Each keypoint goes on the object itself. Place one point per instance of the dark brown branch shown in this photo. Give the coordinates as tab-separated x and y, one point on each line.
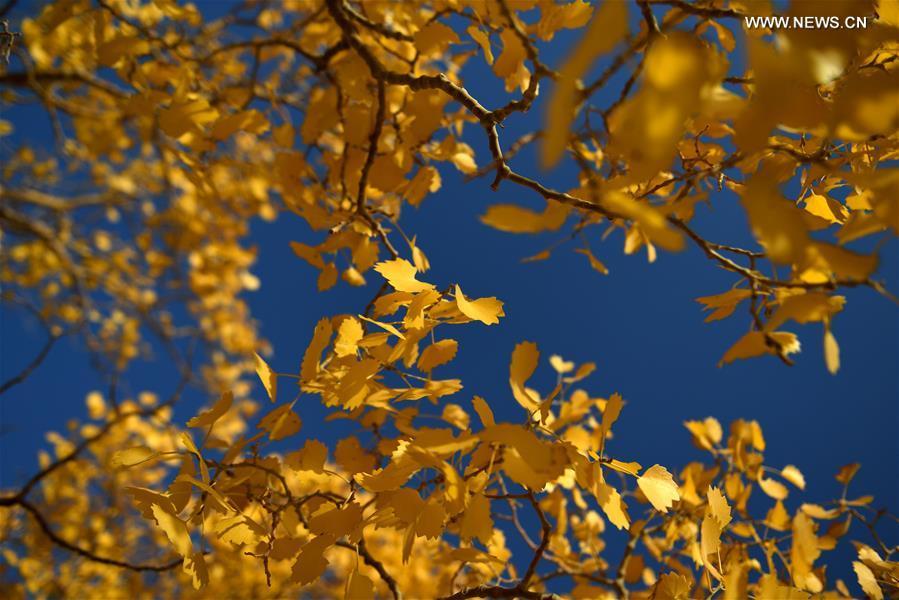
83	444
22	79
31	366
633	537
375	564
373	139
55	203
544	542
652	25
495	591
698	10
66	545
377	27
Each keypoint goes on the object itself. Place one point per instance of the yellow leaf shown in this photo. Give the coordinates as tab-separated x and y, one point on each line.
777	224
311	457
354	387
435	36
725	36
437	354
611	413
804	552
464	162
220	502
754	344
806	308
195	566
718	507
455	490
281	422
431	520
476	520
473	555
570	15
283	135
861	501
145	499
175	529
794	476
483	40
359	587
426	180
516	219
328	277
771	587
385	326
320	339
659	487
485	310
831	352
867	580
778	518
285	547
710	540
189	115
348	335
841	262
389	478
582	371
400	273
723	304
415	314
132	456
191	447
268	377
560	365
239	530
353	277
308	253
527	460
595	263
336	521
207	418
672	586
311	563
524	362
612	505
510	64
350	456
826	208
483	409
847	473
390	303
96	406
251	121
608	27
418	258
455	415
628	468
773	488
816	511
706	433
109	52
650	219
545	254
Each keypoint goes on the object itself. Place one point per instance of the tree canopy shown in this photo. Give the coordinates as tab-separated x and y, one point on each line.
174	131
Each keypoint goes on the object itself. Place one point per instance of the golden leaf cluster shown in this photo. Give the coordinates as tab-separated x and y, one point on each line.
176	133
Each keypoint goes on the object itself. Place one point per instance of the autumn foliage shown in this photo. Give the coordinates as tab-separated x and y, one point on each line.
174	131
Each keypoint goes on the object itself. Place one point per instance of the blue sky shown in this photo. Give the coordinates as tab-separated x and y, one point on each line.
640	325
